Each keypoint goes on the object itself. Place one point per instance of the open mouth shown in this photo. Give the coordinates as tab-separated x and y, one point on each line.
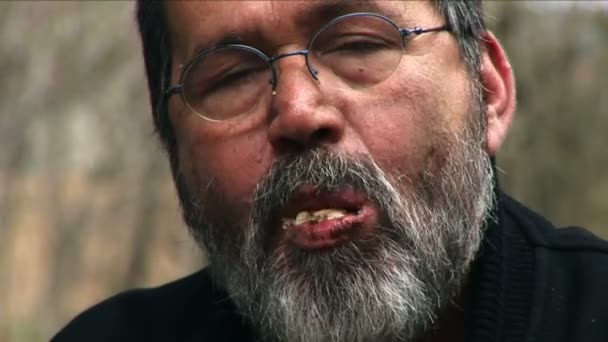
319	220
318	216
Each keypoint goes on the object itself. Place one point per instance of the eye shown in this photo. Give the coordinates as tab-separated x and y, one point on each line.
233	78
222	70
354	45
360	46
239	78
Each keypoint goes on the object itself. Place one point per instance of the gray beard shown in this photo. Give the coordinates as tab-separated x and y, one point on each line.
387	287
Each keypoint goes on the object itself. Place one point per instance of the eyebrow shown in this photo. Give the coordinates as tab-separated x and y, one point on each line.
226	39
314	17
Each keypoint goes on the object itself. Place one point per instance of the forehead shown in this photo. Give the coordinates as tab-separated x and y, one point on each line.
204	23
217	11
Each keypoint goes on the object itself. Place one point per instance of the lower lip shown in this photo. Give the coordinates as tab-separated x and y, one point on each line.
331	233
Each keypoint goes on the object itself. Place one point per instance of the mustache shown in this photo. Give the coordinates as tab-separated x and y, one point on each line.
325	170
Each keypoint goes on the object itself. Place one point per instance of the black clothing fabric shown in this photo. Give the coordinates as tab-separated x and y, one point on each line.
531	282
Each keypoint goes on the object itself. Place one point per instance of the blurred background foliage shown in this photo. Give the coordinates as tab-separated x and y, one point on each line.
87	207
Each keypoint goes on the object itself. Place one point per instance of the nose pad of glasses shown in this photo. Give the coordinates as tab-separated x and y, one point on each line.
313	72
273	80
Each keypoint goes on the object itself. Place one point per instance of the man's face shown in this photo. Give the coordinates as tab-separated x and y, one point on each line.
334	210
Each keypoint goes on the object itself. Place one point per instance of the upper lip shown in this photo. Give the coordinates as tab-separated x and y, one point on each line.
313	199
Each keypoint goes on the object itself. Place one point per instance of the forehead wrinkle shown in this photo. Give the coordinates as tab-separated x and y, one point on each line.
256	35
324	11
196	26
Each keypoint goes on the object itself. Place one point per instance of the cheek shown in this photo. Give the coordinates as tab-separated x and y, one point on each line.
233	164
408	120
402	123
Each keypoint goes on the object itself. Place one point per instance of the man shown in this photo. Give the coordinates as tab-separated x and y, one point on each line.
334	160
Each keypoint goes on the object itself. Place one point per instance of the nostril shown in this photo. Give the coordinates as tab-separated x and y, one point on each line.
321	135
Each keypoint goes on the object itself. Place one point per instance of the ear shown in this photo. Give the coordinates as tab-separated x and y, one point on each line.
498	92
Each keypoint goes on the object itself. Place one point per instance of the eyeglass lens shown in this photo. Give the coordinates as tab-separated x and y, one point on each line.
359	51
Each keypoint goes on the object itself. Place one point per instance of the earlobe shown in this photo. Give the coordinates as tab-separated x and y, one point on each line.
498	92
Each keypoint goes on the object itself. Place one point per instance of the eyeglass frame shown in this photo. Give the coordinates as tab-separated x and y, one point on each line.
404	32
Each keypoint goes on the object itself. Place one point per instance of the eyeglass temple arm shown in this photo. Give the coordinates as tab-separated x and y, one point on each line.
176	89
419	30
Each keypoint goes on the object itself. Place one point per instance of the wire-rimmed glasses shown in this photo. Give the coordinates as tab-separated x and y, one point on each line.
233	80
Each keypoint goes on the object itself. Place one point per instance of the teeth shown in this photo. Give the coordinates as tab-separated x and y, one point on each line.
319	215
303	216
328	214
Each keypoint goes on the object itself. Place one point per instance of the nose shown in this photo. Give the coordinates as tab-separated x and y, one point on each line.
302	115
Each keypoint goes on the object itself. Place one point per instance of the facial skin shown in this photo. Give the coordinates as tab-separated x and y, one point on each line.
420	140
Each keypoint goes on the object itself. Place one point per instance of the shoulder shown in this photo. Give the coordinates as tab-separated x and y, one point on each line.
544	235
570	277
173	312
